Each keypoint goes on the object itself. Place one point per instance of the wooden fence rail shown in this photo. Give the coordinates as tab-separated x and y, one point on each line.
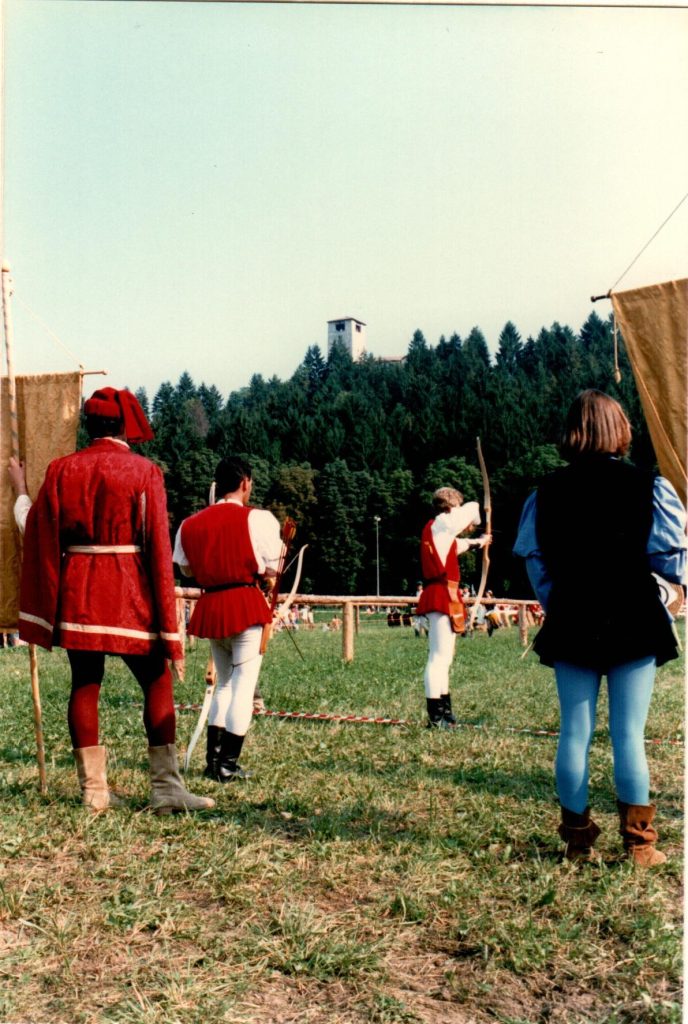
351	606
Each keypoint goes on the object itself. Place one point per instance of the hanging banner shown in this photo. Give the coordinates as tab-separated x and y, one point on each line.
48	413
654	325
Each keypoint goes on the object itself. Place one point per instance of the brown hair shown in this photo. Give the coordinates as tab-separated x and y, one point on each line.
446	498
595	425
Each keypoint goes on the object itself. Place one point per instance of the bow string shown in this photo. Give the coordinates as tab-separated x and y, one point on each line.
487	505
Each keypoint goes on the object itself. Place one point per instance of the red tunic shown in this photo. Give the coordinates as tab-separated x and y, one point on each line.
218	548
121	602
436	575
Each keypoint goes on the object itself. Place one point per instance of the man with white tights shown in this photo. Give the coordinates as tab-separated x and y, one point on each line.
441	601
228	547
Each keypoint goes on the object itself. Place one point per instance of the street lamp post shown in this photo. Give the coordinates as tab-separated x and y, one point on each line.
376	520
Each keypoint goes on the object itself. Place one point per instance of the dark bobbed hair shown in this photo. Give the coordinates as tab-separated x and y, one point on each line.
103	426
595	425
229	474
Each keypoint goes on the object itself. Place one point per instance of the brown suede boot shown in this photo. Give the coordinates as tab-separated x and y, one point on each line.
168	794
90	767
579	832
639	834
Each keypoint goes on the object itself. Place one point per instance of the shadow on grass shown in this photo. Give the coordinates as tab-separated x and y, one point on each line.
533	784
17	755
538	785
359	821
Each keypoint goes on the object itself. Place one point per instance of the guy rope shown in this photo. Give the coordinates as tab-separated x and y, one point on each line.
14	431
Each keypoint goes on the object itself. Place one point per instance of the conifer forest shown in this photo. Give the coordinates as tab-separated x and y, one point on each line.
343	442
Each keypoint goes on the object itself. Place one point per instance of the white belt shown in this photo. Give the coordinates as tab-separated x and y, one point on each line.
103	549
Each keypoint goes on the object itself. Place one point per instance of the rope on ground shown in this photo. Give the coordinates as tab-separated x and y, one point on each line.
325	716
317	716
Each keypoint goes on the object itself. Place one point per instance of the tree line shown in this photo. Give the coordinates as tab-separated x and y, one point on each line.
341	443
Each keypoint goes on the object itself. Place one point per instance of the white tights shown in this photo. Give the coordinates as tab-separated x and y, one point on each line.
442	641
237	662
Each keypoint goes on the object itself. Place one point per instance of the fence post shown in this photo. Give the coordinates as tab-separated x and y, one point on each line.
523	625
348	631
358	618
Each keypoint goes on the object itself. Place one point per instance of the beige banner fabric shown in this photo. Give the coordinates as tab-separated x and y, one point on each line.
48	414
654	325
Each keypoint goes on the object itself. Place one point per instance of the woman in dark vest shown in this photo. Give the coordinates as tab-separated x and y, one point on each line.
600	527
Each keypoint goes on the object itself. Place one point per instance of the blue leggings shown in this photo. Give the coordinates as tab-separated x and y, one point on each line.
630	689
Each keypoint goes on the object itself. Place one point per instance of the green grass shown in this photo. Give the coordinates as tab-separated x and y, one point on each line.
366	874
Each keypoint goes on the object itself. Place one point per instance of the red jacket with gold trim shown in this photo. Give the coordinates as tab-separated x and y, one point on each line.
218	548
435	596
97	568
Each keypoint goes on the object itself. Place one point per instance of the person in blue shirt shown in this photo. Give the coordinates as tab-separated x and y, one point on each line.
601	526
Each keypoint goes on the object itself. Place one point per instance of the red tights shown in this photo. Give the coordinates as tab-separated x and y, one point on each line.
153	676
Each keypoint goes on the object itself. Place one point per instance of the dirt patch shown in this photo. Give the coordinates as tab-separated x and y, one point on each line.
12	938
438	989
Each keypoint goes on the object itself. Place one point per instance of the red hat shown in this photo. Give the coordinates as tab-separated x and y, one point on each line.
120	405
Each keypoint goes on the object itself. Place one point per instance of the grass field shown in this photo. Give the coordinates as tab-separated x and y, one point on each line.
365	874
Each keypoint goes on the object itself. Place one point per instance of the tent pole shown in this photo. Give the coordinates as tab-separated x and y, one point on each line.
14	430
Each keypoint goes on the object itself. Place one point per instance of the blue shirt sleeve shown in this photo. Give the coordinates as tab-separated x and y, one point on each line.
526	546
667	542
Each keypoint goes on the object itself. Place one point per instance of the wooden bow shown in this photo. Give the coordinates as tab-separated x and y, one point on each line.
487	505
289	599
281	612
210	681
288	534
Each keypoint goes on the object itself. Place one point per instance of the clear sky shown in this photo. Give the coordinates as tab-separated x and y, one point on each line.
203	186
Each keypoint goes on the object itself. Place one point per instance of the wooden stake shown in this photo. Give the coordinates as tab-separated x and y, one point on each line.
14	431
38	718
348	632
523	625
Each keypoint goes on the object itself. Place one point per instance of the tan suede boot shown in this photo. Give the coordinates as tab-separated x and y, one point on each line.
639	834
168	794
579	832
90	767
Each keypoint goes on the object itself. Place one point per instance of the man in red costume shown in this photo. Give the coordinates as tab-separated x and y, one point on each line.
228	547
97	579
441	600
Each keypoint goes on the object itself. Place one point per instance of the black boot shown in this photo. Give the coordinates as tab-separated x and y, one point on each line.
579	832
435	713
212	756
447	709
230	749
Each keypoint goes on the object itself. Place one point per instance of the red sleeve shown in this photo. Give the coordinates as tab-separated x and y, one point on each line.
160	563
40	580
